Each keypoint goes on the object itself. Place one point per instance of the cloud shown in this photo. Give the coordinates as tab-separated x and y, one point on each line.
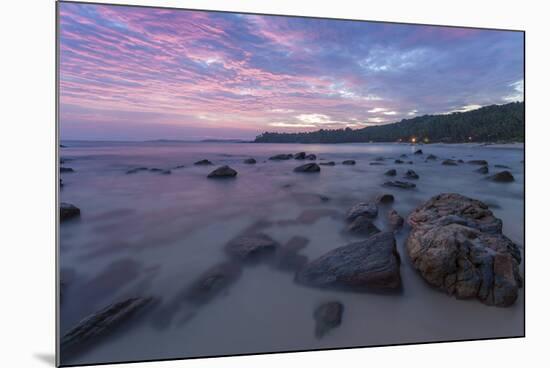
517	94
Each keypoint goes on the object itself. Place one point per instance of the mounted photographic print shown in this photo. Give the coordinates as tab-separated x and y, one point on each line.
236	183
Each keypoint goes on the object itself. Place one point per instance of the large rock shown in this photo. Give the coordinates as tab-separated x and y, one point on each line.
223	172
367	265
327	317
395	220
68	211
308	168
385	198
457	245
300	156
367	209
363	225
251	247
503	177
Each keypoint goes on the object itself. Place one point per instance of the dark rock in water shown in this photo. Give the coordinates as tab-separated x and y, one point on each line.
503	177
212	282
502	166
251	247
367	209
400	184
348	162
166	172
161	171
362	225
136	170
311	157
102	322
376	163
398	161
418	152
155	169
395	220
369	264
385	198
287	257
179	167
460	161
62	146
403	155
328	163
410	162
478	162
324	198
282	156
300	156
308	168
327	317
457	245
249	161
203	162
411	174
65	169
431	157
68	211
379	159
449	162
482	170
391	172
223	172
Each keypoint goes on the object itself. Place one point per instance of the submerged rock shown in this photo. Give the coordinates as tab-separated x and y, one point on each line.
431	157
398	161
385	198
327	317
482	170
418	152
363	225
391	172
449	162
102	322
66	169
367	209
308	168
223	172
348	162
478	162
457	245
287	257
136	170
395	220
203	163
369	264
328	163
282	156
251	247
311	157
411	174
503	177
376	163
300	156
379	159
249	161
212	282
400	184
502	166
67	211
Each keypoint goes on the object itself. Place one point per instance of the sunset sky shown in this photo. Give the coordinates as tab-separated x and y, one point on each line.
129	73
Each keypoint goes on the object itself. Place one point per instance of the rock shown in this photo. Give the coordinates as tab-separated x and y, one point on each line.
251	247
155	169
368	209
410	162
223	172
478	162
308	168
212	282
102	322
379	159
362	225
348	162
287	257
431	157
398	161
179	167
460	161
411	174
502	166
65	169
300	156
166	172
376	163
311	157
282	156
503	177
328	163
457	245
68	211
395	220
136	170
385	198
203	163
327	317
482	170
449	162
418	152
403	155
161	171
391	172
367	265
400	184
249	161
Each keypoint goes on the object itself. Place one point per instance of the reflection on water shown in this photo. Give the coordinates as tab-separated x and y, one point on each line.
148	234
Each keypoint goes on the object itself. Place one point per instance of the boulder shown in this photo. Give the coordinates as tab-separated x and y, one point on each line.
482	170
308	168
391	172
457	245
371	264
411	174
203	163
503	177
431	157
300	156
395	220
400	184
328	163
311	157
449	162
348	162
223	172
385	198
363	225
250	161
418	152
327	317
478	162
367	209
68	211
282	156
251	246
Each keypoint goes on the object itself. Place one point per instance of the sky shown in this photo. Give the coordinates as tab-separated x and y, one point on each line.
130	73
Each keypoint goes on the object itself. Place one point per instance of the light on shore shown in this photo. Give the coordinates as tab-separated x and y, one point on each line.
413	140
